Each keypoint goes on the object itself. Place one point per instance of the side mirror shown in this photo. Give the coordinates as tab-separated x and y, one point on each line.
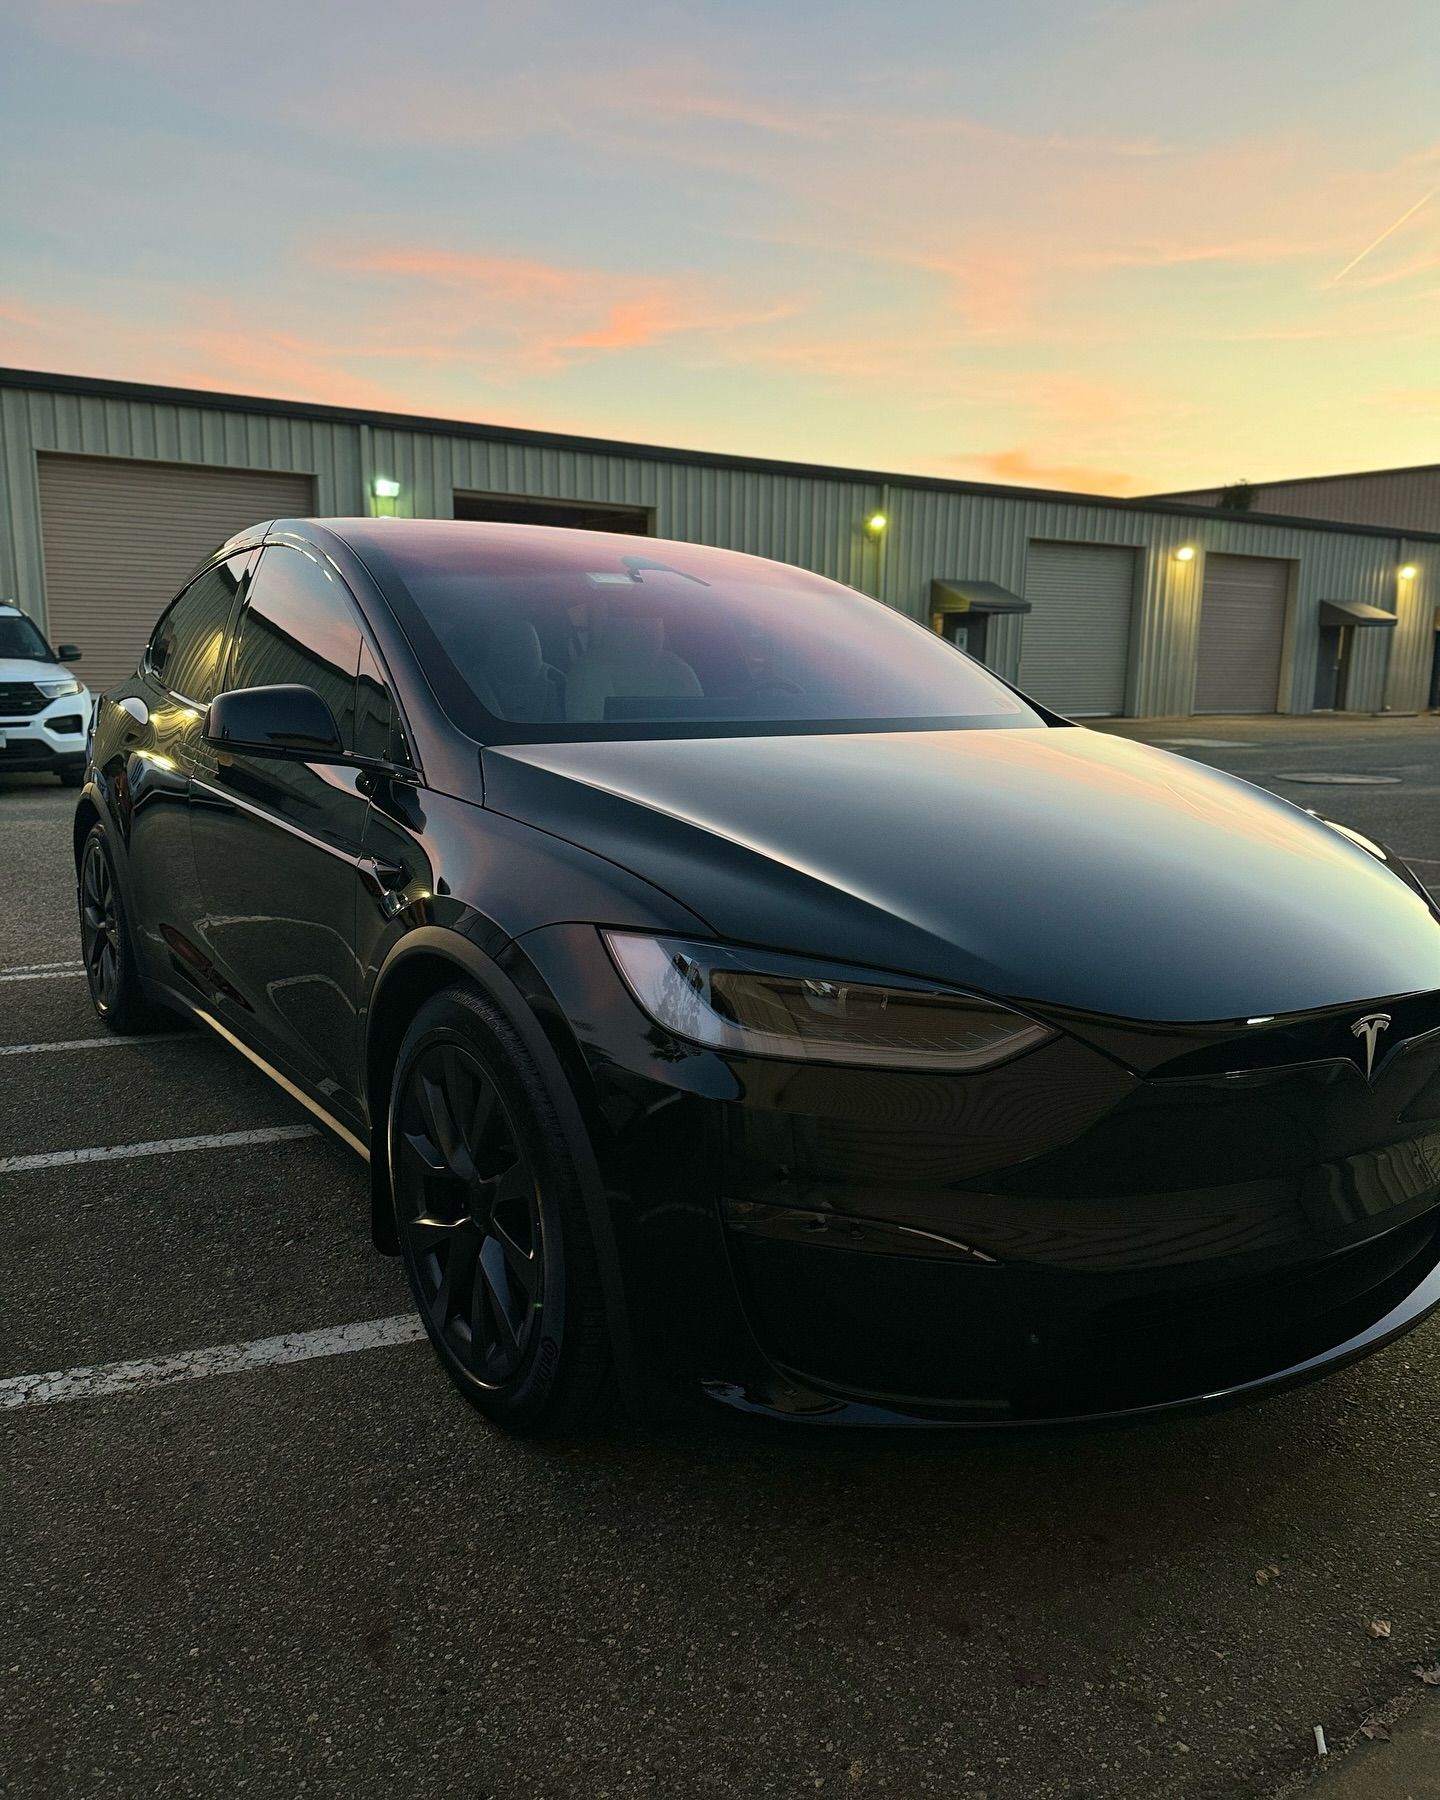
68	653
274	721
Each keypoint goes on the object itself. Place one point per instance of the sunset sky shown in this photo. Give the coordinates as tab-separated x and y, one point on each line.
1059	242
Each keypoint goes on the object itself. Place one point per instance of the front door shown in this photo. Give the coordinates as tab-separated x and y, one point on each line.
278	841
1327	669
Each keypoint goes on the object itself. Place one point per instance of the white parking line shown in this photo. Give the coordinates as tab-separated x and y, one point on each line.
217	1140
100	1379
43	972
100	1043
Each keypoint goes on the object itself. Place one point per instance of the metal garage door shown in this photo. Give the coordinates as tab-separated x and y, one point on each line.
1076	646
1242	634
120	536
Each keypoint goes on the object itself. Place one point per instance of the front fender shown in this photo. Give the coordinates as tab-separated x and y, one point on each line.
421	963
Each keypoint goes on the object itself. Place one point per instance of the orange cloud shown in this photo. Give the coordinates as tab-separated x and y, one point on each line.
1021	468
548	314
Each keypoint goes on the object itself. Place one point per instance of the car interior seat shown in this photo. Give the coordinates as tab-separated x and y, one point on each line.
525	686
627	657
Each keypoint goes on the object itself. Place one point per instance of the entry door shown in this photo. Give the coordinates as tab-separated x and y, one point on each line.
1075	651
1242	634
278	841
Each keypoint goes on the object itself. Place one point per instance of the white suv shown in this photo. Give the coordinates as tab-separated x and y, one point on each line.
44	710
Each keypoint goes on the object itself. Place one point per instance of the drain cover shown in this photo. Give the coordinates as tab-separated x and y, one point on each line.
1343	780
1209	743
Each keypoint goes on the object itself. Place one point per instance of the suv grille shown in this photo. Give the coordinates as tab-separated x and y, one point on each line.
20	699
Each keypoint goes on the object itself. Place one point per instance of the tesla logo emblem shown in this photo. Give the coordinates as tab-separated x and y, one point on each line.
1370	1028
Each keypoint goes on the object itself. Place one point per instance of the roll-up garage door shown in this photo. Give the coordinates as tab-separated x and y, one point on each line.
120	536
1076	646
1242	634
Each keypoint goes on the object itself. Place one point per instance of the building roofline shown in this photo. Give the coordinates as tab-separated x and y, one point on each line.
102	387
1219	487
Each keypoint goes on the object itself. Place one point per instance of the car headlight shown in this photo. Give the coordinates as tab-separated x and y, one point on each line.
57	690
759	1003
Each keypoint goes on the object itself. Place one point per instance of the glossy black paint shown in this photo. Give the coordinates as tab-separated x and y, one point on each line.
1166	1203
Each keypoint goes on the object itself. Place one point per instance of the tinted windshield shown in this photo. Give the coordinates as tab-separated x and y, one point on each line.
20	639
587	636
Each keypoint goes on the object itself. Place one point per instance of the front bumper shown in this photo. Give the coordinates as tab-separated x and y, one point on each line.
1060	1238
52	738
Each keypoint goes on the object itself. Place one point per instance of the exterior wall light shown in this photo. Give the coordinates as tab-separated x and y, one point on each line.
1186	553
383	488
1408	572
877	524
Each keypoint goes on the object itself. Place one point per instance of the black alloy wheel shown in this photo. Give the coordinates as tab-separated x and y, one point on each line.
99	926
472	1221
491	1219
111	973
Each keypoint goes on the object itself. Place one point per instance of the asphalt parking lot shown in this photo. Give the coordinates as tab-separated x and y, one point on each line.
328	1577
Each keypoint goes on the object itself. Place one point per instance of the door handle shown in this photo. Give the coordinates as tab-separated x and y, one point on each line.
386	882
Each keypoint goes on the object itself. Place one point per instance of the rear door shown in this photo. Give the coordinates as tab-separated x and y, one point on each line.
147	739
278	842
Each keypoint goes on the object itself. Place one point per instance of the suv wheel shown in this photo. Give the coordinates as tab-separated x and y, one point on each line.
111	968
491	1220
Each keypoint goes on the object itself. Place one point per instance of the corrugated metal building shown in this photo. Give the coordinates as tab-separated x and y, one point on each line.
110	491
1400	499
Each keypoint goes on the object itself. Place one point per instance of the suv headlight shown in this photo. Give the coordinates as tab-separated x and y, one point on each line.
57	690
760	1003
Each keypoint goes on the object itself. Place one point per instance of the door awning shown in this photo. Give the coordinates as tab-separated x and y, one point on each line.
1353	612
974	596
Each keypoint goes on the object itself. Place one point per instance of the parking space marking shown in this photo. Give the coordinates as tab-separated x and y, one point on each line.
216	1140
101	1379
100	1043
44	972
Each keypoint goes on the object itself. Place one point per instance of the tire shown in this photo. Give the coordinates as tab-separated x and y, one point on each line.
107	947
72	775
491	1221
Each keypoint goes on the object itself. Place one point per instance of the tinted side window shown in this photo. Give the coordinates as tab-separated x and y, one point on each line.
379	732
299	625
185	647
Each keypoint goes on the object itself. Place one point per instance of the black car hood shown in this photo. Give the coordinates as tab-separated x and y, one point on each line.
1062	866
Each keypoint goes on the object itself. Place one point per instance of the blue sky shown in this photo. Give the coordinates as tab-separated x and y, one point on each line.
1080	244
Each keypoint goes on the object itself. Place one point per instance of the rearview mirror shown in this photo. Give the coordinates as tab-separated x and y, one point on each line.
68	653
274	721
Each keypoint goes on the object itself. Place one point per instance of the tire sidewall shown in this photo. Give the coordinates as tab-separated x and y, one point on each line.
448	1018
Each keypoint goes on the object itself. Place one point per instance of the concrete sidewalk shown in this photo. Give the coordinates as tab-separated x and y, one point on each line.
1407	1768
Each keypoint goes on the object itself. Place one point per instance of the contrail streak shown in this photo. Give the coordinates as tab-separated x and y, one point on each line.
1409	213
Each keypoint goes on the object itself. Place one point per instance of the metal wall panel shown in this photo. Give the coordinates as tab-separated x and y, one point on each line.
1075	652
1242	635
1405	499
805	517
120	536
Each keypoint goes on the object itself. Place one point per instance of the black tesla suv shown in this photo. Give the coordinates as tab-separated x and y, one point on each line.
738	990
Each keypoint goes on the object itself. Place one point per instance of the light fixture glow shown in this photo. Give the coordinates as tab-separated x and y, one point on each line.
876	523
1408	572
1186	553
384	488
